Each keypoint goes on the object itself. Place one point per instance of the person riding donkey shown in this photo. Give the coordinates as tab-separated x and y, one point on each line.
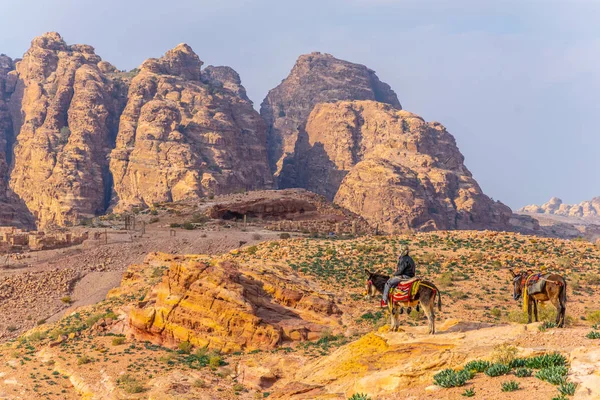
405	270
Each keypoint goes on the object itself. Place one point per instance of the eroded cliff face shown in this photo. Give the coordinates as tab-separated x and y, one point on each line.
316	78
13	211
187	133
64	113
392	168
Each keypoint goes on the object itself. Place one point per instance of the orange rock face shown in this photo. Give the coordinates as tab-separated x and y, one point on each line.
187	134
316	78
392	168
223	306
64	112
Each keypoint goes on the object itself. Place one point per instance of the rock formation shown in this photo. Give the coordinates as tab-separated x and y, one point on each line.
187	134
64	114
316	78
555	206
392	168
221	306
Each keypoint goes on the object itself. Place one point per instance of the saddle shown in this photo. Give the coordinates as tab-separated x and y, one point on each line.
535	284
405	291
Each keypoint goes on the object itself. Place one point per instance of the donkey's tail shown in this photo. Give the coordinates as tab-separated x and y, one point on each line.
439	300
563	293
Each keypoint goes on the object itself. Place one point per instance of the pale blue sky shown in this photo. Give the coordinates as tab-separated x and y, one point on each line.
516	82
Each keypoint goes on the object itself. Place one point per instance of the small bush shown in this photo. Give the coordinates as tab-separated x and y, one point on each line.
359	396
284	235
593	317
546	325
477	365
450	378
185	347
593	335
66	300
446	279
523	372
83	360
118	340
130	384
199	383
238	387
188	226
468	393
555	375
497	370
11	328
546	360
510	386
174	225
504	353
252	250
567	388
215	361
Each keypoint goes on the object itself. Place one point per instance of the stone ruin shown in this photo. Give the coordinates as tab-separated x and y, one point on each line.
16	239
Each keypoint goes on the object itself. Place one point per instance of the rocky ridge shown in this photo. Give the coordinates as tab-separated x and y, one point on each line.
392	168
555	206
315	78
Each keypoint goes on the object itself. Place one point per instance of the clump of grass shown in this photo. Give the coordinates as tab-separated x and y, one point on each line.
567	388
450	378
593	316
359	396
215	361
593	335
497	370
504	354
555	375
130	384
118	340
185	347
284	235
477	365
84	359
468	393
66	299
546	360
523	372
546	325
510	386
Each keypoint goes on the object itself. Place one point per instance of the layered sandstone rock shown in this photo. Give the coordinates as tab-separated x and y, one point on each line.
315	78
187	133
222	306
392	168
555	206
64	114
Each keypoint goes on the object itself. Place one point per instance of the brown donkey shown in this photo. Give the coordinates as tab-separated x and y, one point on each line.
554	289
425	296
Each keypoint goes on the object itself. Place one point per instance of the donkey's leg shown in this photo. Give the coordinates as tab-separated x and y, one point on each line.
529	307
535	310
559	312
428	309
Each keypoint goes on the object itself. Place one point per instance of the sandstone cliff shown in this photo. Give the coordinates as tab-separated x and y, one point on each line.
392	168
315	78
64	113
187	133
555	206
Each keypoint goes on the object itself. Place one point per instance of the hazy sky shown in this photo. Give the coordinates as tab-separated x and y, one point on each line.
516	82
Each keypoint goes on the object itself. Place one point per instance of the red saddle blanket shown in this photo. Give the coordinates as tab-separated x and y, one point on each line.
405	291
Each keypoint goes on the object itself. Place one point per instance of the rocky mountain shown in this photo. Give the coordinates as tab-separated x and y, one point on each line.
79	137
315	78
187	133
393	168
555	206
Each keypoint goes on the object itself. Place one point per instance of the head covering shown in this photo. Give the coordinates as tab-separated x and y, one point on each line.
403	250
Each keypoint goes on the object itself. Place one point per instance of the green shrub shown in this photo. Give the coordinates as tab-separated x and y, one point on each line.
504	354
546	360
185	347
215	361
284	235
593	317
468	393
83	360
497	370
130	384
118	340
523	372
546	325
66	299
510	386
450	378
359	396
567	388
477	365
188	226
593	335
555	375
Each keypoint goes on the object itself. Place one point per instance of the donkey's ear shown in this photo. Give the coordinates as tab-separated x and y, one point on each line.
512	272
368	272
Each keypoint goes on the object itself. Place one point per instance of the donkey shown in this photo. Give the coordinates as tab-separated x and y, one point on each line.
555	290
425	296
